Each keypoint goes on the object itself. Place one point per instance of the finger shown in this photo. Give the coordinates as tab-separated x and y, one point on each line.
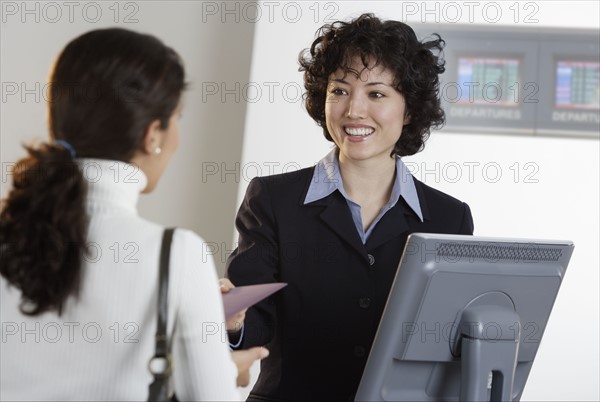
238	317
225	285
258	353
245	358
234	326
243	379
263	353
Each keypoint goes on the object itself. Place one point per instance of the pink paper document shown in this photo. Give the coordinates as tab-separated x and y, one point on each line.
243	297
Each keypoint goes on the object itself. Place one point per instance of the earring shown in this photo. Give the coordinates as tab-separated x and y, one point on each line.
157	150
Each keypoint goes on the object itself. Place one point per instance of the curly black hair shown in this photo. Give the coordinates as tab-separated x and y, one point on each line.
391	44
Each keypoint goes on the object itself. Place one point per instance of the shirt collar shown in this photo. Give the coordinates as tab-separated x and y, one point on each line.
326	179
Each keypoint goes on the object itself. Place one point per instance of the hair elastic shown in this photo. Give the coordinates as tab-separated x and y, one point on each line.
68	147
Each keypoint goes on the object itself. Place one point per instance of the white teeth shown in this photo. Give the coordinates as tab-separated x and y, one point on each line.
358	131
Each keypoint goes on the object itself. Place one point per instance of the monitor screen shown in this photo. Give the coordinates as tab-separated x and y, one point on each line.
577	84
488	81
464	318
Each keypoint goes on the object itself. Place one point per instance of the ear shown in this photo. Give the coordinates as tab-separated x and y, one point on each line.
406	119
152	137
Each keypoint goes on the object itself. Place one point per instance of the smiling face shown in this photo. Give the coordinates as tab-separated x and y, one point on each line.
364	114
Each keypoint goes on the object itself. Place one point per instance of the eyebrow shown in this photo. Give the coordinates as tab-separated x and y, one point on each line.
342	81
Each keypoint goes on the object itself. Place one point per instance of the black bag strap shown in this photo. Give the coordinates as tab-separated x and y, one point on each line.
160	365
163	293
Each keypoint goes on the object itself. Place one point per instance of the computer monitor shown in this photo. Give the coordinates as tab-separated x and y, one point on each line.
464	318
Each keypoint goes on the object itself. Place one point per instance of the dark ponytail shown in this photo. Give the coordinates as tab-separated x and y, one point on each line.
107	87
43	226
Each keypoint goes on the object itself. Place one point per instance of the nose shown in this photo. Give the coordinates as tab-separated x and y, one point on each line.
357	107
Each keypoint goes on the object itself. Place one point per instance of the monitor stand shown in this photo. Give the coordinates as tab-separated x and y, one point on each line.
489	344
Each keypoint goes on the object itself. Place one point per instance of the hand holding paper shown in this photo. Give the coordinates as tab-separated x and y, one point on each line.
236	321
240	298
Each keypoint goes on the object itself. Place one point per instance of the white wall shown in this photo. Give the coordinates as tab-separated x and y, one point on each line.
554	196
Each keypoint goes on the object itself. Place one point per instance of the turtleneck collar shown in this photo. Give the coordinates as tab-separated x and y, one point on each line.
112	184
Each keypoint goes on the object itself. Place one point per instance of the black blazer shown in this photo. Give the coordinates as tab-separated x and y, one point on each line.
319	329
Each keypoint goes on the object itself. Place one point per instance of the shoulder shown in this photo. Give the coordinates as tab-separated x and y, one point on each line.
288	179
186	237
436	198
446	213
189	245
281	186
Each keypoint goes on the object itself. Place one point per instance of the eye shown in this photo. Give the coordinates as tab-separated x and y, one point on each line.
376	94
338	91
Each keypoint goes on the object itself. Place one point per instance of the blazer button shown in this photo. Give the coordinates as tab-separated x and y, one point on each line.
359	351
364	302
371	259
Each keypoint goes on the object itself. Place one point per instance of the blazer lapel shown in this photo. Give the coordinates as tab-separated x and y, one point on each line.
338	218
392	225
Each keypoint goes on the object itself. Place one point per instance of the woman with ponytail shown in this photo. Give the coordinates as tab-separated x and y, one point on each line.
79	267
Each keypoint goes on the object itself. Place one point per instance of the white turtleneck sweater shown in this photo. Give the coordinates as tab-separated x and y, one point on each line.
99	348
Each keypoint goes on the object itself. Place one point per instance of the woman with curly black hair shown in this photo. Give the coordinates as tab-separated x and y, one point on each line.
79	267
335	232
